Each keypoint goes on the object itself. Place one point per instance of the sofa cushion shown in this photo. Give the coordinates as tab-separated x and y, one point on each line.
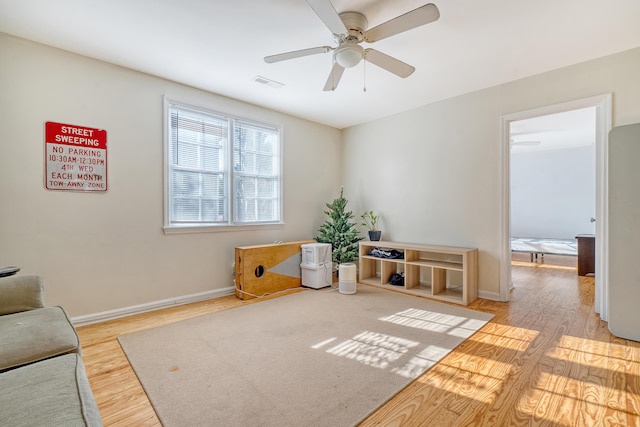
20	293
53	392
34	335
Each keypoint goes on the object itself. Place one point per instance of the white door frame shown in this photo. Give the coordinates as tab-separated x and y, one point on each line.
603	126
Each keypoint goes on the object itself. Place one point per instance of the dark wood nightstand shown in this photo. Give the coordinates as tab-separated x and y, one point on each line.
586	254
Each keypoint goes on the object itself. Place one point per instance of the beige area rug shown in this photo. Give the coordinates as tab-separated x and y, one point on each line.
313	358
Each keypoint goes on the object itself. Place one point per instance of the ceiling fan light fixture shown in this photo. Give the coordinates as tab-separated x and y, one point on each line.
349	55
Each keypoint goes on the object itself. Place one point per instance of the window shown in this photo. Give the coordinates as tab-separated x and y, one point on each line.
221	170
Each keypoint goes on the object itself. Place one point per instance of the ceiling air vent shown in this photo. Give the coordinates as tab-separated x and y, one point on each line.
268	82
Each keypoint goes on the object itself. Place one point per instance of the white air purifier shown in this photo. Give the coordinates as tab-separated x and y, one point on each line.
347	279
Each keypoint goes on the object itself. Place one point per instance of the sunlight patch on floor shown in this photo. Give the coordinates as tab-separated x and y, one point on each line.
373	349
476	367
428	357
548	266
564	408
323	343
435	322
593	354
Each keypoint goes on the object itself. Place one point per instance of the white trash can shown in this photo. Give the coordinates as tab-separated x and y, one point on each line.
347	279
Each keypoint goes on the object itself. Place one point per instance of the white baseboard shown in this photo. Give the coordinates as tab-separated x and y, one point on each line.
493	296
156	305
186	299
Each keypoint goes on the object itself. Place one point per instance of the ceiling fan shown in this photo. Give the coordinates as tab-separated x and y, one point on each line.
350	29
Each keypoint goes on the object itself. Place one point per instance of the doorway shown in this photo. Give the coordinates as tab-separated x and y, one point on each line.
553	185
514	130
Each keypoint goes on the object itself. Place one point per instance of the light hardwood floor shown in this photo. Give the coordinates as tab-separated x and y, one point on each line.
545	359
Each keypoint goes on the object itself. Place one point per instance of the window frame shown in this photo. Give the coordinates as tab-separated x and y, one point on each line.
229	225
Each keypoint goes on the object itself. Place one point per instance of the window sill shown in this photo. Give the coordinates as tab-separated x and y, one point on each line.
189	229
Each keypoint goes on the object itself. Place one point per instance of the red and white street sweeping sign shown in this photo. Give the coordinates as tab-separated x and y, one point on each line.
76	158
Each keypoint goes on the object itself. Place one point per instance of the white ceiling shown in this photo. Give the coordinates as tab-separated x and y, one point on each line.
219	46
569	129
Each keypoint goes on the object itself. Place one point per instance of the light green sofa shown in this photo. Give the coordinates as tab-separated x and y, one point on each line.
42	378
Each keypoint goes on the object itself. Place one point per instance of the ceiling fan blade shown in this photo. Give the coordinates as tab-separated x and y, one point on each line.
296	54
327	14
388	63
416	18
334	77
524	142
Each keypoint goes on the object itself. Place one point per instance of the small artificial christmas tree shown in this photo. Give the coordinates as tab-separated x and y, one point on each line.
340	231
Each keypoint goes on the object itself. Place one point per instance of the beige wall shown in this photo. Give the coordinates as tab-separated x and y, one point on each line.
106	251
434	173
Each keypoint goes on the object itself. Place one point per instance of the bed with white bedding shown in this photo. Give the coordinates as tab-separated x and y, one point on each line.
538	247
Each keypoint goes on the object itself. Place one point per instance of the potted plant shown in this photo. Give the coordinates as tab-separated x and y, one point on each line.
370	220
340	231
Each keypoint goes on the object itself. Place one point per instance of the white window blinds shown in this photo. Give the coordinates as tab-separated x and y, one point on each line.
221	170
256	173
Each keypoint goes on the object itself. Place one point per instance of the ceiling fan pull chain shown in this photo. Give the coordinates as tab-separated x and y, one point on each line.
364	77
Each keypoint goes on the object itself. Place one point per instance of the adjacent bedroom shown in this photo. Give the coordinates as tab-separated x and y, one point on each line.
553	188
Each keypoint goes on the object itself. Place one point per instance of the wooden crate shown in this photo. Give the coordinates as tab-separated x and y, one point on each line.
264	269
